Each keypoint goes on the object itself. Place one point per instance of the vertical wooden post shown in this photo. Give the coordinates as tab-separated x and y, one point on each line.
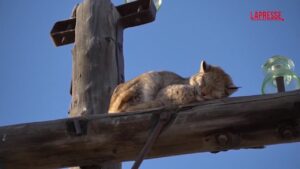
97	61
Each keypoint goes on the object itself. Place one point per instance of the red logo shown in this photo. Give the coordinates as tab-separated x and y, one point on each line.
266	16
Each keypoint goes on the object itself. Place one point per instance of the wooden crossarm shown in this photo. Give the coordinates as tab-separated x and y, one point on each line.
226	124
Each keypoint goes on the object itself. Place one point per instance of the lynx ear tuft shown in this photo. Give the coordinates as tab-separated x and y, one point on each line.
233	87
204	67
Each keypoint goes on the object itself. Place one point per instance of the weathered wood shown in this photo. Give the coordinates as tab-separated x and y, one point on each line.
97	64
232	123
95	67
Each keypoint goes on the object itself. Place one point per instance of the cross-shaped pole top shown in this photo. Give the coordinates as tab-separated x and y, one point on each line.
132	14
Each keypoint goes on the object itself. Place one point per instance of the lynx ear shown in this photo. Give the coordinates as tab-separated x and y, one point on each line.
204	67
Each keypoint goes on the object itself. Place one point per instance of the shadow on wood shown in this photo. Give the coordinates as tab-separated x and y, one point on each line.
226	124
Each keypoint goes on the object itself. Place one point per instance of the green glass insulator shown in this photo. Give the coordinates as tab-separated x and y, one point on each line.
279	66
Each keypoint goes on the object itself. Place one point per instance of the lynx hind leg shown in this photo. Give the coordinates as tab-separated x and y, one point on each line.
122	96
116	93
118	103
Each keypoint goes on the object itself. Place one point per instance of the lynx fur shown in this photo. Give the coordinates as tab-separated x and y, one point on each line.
156	89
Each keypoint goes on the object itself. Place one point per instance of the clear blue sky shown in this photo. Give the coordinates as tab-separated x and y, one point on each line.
35	75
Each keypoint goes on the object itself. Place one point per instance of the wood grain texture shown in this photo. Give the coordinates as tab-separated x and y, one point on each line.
97	64
95	68
226	124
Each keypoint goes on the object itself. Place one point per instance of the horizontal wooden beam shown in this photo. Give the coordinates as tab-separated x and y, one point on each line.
231	123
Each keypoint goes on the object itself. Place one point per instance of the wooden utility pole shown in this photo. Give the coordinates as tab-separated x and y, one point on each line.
96	62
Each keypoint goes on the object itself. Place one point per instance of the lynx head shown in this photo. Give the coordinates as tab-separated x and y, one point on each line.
211	82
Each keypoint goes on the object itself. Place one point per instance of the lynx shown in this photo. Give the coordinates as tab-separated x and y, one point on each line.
157	89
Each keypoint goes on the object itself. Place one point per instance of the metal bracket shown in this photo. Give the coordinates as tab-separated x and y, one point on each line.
164	118
63	32
137	13
132	14
280	84
77	127
288	130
